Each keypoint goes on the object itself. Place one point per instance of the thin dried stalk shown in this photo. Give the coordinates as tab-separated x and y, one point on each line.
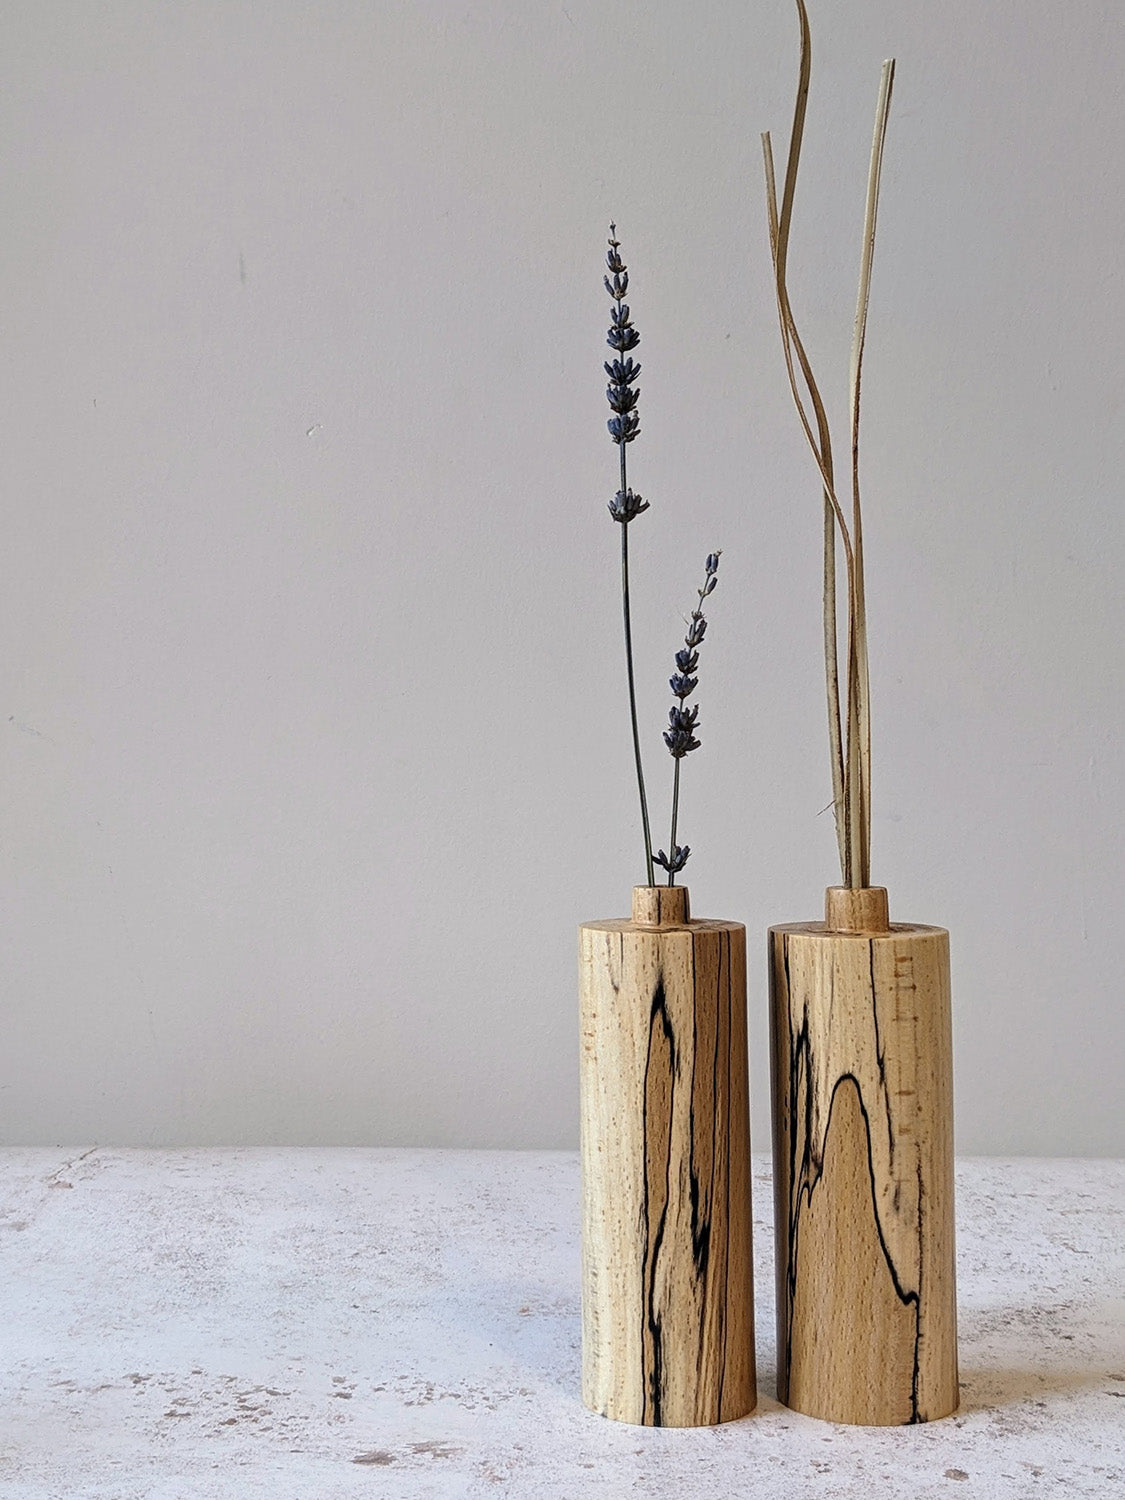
851	758
831	647
832	688
859	716
821	446
790	342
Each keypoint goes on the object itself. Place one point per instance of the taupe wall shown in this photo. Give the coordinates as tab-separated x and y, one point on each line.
314	738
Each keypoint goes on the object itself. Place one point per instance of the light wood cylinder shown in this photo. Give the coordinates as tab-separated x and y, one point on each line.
862	1072
667	1269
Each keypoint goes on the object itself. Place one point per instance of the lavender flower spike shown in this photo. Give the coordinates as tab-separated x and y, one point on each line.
623	393
683	721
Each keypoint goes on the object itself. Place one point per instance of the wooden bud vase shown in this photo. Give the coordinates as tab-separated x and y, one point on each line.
667	1288
863	1165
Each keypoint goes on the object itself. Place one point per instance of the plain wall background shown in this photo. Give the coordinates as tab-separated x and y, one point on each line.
315	746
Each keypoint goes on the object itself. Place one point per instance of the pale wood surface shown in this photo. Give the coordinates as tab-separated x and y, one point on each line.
667	1292
856	910
863	1149
661	905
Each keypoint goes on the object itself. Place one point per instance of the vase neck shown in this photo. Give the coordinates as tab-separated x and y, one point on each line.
862	910
661	905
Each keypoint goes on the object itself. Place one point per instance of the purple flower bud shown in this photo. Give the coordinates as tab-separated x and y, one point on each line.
626	505
679	858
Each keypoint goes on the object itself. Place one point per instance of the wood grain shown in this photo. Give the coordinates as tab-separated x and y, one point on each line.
667	1290
863	1172
862	909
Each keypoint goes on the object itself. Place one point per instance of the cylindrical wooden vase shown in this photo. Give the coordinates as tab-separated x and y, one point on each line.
863	1165
667	1289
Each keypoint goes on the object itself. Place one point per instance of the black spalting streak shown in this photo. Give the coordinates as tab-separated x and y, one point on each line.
645	1196
906	1298
700	1216
812	1171
915	1415
666	1051
879	1057
658	1015
616	982
701	1192
700	1221
724	949
799	1055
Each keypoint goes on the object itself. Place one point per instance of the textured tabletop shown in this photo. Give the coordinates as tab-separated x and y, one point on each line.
322	1323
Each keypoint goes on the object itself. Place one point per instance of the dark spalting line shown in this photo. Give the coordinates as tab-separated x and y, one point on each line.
644	1224
915	1414
879	1055
799	1058
658	1015
702	1194
719	1165
791	1239
616	983
908	1299
724	949
702	1227
812	1170
700	1216
642	1212
693	1177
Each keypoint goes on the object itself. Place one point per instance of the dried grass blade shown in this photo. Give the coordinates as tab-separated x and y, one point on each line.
780	223
788	343
796	136
859	711
832	686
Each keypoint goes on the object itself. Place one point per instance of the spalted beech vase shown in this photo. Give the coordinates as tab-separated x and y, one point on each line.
667	1294
863	1165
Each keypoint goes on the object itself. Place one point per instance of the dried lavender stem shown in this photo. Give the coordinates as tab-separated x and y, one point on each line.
632	687
675	817
625	506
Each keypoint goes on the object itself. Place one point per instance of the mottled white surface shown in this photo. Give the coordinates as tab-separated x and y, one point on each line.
182	1325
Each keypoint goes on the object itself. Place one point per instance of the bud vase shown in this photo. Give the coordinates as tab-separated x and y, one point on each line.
667	1293
862	1076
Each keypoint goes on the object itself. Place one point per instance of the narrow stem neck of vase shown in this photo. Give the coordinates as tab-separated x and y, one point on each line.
863	910
661	905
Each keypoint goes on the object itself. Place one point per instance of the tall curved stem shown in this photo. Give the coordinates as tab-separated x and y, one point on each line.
850	753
